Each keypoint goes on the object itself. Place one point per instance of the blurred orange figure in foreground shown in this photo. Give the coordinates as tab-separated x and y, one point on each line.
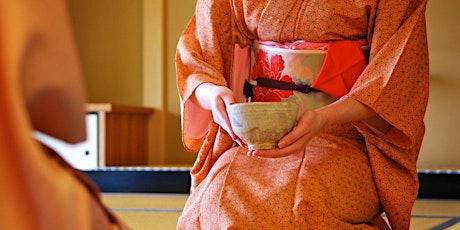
41	89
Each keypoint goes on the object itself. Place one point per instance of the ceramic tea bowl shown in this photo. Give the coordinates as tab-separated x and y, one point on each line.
262	124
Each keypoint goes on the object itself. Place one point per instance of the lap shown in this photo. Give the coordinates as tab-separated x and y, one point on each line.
331	182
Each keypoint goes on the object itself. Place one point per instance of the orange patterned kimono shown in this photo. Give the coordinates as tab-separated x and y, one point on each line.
347	175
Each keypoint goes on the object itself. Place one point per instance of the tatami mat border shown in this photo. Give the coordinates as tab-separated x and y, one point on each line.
141	179
449	223
441	184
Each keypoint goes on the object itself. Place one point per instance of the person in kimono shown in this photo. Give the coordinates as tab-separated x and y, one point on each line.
351	156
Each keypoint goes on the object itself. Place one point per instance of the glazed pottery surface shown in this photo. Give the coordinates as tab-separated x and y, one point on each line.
262	124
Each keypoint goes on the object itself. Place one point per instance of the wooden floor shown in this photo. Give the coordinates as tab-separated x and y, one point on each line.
160	211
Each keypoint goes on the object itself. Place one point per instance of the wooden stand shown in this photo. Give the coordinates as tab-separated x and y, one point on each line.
123	134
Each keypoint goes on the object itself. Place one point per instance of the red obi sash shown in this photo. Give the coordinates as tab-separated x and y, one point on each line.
343	63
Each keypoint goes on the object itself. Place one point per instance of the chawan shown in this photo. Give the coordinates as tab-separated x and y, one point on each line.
262	124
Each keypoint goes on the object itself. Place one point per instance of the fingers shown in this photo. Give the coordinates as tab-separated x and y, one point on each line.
216	98
294	142
240	142
291	137
296	147
220	116
223	98
306	127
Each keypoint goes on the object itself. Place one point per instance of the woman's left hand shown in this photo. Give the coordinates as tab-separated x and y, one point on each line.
308	125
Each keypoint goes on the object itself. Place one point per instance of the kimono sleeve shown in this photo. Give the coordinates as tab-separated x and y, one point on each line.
395	82
395	85
204	54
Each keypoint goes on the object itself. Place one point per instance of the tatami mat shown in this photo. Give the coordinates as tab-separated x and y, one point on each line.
146	211
161	211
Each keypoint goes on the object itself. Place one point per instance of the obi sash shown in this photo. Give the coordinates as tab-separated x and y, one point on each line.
310	74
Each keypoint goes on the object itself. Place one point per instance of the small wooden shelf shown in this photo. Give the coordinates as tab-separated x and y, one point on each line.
122	133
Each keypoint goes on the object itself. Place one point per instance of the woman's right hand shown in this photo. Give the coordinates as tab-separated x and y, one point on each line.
216	99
